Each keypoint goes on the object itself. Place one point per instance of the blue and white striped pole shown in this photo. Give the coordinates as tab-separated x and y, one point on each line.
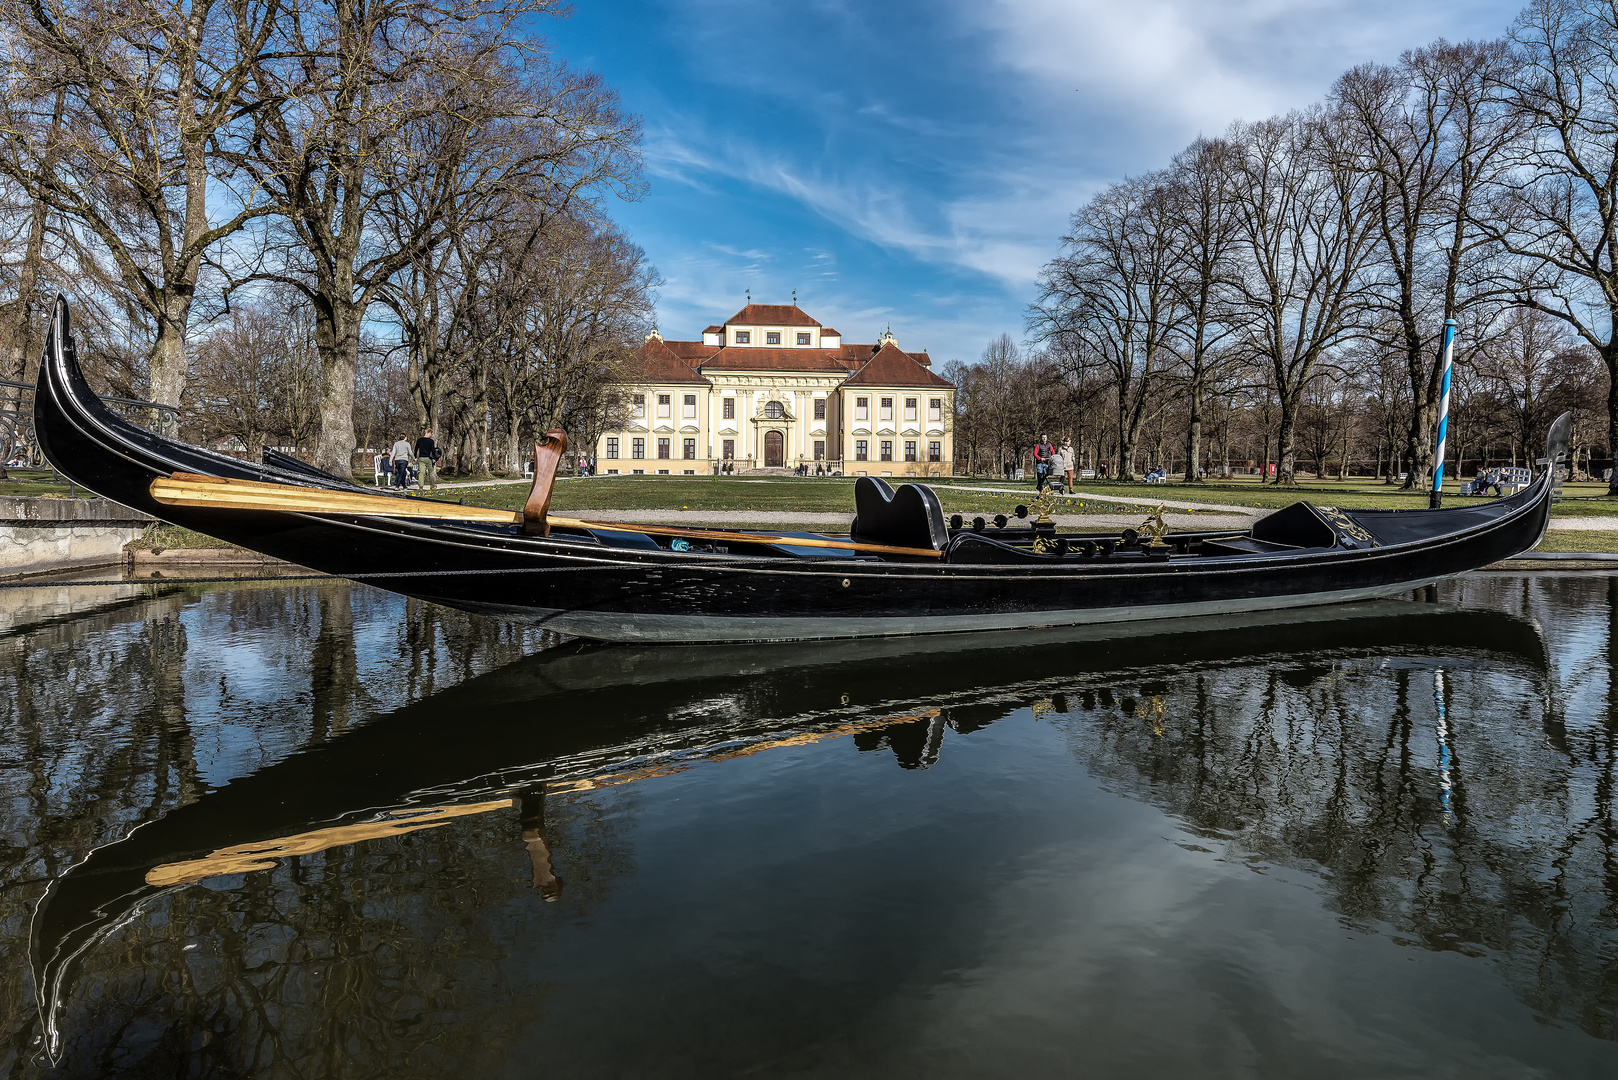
1447	359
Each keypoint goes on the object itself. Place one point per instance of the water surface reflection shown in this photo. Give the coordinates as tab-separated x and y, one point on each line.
319	830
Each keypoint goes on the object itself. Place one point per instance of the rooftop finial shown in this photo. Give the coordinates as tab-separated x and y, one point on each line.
794	297
749	294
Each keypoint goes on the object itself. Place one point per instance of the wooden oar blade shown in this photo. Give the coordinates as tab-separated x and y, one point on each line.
218	493
288	498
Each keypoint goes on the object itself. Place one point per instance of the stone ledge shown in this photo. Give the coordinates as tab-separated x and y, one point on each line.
34	512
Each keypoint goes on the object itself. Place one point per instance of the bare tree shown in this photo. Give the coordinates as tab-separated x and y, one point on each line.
1204	221
1111	294
1306	225
1558	211
141	96
1431	136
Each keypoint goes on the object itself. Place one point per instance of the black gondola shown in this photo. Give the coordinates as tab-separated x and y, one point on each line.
621	584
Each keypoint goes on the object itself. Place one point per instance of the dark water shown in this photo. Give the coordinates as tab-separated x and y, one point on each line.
320	831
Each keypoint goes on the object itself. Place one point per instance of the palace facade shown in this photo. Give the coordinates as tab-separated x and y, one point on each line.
773	388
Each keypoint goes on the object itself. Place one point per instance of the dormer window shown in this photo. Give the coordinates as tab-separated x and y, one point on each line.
803	339
744	337
772	337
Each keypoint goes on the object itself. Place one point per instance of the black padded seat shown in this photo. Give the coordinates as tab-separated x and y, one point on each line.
909	517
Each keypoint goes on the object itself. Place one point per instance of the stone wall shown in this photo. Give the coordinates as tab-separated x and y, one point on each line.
41	535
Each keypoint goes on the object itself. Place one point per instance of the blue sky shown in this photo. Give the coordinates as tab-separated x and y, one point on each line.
915	163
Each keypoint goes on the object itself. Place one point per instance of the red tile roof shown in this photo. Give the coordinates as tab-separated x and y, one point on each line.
661	364
714	330
826	331
746	359
921	358
771	315
691	350
891	367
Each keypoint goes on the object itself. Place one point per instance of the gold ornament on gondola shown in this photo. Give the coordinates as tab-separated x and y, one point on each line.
1155	528
1046	503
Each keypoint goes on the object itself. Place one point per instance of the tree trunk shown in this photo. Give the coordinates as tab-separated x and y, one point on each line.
337	337
1285	464
1193	441
1609	355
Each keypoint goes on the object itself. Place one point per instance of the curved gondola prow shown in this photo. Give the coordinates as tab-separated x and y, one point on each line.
1557	440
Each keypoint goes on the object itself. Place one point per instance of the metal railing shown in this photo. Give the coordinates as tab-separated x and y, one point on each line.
18	442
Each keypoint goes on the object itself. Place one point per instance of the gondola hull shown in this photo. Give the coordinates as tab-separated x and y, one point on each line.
583	584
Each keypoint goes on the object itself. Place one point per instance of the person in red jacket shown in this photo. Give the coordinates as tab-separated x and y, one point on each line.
1044	459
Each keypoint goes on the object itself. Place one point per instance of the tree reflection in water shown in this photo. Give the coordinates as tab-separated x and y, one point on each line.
1308	741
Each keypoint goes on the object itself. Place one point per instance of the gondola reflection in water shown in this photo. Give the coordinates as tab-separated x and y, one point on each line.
1307	739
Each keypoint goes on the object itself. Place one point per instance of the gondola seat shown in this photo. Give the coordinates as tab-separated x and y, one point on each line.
1297	526
910	517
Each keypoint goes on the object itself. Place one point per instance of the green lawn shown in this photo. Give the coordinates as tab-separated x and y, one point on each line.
170	537
1580	540
37	483
1579	500
784	495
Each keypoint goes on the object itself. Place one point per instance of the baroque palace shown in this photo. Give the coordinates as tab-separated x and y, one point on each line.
773	388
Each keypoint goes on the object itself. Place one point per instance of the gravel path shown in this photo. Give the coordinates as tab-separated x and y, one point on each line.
1584	524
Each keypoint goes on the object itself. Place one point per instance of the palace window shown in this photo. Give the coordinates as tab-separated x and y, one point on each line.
637	406
690	406
612	448
820	408
910	450
862	450
637	448
662	406
803	339
662	449
935	410
887	409
727	449
773	410
690	449
820	449
862	408
935	451
744	337
887	449
910	410
730	408
772	337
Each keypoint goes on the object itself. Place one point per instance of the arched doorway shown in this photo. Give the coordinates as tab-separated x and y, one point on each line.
774	455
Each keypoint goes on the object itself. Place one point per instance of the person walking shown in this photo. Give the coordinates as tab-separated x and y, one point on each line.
427	455
1044	456
1068	459
401	463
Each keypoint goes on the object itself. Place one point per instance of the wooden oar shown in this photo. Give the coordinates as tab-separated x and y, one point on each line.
213	492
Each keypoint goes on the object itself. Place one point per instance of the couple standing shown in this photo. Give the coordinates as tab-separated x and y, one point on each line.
1049	459
425	454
